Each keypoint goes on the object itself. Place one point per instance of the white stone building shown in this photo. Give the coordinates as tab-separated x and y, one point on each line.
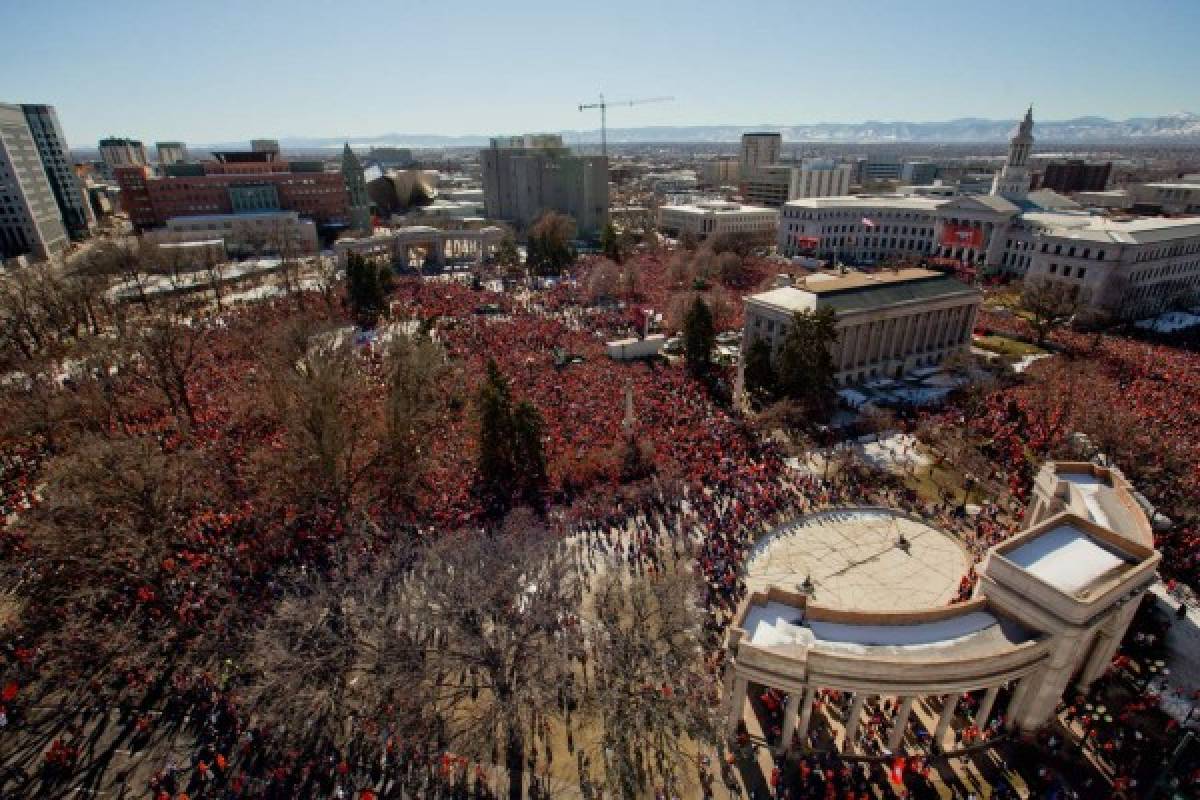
1048	614
776	184
717	218
887	322
253	233
1132	267
1125	268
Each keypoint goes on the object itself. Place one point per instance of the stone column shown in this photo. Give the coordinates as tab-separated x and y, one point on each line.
985	707
810	695
896	738
852	719
1108	640
949	705
790	712
1019	698
737	702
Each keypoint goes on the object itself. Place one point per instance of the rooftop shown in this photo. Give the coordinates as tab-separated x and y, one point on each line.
1068	558
861	291
950	634
1143	230
870	201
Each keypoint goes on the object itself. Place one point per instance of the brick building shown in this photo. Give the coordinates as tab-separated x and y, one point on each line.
233	183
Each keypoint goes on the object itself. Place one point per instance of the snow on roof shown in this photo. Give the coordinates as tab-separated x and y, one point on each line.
942	633
1089	487
1066	558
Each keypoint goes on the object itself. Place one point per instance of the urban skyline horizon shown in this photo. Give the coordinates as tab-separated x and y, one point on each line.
591	135
477	67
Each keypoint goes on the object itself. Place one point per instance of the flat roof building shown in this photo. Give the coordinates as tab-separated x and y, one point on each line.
1049	611
119	152
525	176
888	322
234	182
759	150
718	218
171	153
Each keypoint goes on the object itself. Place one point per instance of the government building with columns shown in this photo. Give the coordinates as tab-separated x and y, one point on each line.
1136	266
1048	613
888	322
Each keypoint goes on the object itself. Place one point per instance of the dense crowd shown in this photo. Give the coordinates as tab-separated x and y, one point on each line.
716	488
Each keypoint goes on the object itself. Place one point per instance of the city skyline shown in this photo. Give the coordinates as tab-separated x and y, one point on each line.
301	69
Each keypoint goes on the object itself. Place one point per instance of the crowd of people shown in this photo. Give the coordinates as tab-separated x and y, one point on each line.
716	487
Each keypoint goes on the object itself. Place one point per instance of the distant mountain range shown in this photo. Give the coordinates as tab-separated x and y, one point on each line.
1181	127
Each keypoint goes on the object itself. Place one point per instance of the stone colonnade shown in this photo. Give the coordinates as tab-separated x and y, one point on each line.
798	712
883	343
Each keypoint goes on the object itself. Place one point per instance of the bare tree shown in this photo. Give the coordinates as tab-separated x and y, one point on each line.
112	512
337	648
321	397
467	640
166	351
654	697
414	368
1050	304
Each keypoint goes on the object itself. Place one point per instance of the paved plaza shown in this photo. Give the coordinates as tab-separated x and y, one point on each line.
854	561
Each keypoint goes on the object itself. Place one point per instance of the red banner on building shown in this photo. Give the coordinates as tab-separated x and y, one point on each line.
808	242
961	236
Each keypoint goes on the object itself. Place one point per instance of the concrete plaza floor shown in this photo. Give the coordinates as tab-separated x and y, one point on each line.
854	561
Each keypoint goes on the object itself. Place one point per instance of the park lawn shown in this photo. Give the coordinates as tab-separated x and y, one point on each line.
1005	346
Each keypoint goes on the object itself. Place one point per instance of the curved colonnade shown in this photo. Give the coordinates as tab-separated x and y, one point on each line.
1051	607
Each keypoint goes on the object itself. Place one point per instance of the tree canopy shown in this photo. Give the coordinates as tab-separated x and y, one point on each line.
805	365
699	336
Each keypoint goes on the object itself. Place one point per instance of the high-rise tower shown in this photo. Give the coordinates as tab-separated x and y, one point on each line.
1012	181
356	189
52	147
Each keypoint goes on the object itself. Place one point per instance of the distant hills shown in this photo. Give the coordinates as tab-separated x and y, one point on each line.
1181	127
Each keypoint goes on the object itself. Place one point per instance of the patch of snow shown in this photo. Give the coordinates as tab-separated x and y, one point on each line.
1089	488
942	633
1025	362
891	451
1169	322
1066	558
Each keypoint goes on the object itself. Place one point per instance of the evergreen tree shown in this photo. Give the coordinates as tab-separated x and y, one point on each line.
758	374
529	455
507	254
495	435
367	287
512	459
805	364
699	336
610	244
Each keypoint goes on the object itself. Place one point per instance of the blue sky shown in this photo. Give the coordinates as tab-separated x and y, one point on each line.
231	69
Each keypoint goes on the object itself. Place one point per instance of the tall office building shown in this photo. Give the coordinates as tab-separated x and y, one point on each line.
524	176
171	153
30	220
356	191
759	150
118	152
73	205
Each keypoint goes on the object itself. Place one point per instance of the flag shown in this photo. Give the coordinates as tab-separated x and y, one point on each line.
868	222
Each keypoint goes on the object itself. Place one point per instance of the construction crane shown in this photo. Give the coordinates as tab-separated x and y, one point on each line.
603	105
